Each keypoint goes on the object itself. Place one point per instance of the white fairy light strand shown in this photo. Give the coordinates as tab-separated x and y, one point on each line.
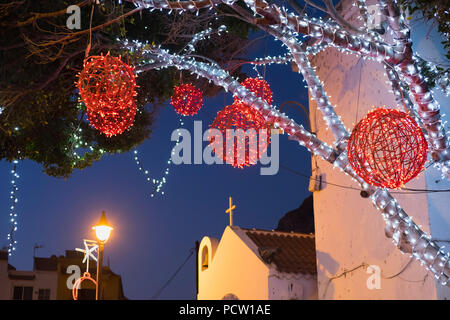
13	213
157	184
206	34
316	88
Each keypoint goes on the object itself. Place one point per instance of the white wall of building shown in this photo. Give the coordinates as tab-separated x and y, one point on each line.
349	230
234	267
42	280
234	270
292	287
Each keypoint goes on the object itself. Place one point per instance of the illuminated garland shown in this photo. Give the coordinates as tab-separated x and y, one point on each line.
205	34
13	214
387	148
157	184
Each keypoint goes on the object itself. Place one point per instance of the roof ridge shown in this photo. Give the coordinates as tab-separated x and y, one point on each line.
291	233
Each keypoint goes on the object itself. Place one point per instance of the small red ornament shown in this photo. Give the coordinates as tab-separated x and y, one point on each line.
240	116
112	122
187	99
259	87
387	148
106	82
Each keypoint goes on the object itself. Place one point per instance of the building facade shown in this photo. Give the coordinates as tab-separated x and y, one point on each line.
53	278
257	264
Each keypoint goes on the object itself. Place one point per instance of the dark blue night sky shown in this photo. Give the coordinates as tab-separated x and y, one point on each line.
153	236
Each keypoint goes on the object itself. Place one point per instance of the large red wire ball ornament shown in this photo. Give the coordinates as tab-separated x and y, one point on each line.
112	122
387	148
259	87
186	99
106	82
241	116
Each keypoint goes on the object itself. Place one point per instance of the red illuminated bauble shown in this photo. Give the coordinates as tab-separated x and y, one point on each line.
106	82
77	284
112	122
187	99
259	87
243	152
387	148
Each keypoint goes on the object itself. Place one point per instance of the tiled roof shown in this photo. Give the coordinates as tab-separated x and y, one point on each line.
289	252
46	264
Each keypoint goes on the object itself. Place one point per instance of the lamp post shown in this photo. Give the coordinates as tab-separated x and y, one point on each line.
102	232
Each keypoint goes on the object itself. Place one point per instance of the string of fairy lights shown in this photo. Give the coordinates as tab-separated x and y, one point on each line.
205	34
157	184
13	212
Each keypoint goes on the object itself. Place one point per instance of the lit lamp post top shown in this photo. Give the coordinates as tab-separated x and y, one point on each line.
102	229
102	232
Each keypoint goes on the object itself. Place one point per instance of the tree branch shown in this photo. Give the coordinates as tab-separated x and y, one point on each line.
340	19
37	15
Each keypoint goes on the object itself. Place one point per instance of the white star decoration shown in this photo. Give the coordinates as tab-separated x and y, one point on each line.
90	246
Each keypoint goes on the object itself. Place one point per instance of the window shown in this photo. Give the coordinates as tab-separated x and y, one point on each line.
23	293
18	293
205	258
44	294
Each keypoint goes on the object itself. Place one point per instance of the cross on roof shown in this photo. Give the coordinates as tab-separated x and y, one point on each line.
230	211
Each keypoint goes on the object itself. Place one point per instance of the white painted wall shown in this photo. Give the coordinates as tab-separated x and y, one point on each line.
43	280
349	230
233	269
292	287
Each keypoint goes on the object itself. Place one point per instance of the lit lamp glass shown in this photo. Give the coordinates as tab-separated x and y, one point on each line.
102	229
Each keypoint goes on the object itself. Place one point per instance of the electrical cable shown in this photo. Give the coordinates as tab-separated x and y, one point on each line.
411	191
156	295
311	178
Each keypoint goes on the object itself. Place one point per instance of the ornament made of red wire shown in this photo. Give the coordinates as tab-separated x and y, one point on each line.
387	148
259	87
77	284
106	82
241	116
186	99
112	122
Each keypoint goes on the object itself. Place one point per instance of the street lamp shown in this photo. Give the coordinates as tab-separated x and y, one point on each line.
102	232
